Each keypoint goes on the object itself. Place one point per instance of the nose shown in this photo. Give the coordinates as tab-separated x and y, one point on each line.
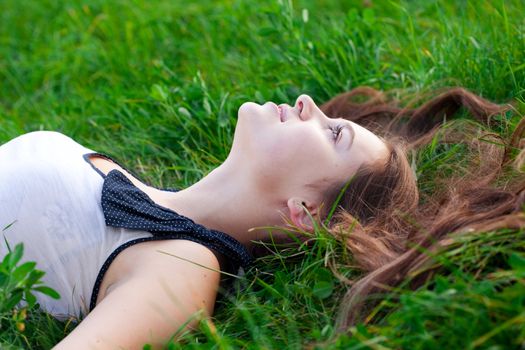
307	109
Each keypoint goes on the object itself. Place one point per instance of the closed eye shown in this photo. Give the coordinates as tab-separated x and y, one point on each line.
336	132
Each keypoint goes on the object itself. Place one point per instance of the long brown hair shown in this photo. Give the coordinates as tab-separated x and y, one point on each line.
386	221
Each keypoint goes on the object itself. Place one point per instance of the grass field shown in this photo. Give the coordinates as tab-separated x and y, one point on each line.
156	84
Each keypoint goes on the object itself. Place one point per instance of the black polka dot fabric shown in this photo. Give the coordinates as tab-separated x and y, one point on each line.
126	206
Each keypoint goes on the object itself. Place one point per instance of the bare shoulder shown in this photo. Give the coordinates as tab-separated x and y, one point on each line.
167	259
174	256
170	285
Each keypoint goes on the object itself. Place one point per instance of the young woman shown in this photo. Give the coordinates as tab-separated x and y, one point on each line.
140	262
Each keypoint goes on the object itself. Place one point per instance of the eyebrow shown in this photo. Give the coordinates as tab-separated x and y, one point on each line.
352	133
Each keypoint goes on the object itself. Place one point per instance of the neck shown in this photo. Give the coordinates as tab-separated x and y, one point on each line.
224	201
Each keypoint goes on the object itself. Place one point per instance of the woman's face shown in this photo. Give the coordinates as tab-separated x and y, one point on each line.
296	148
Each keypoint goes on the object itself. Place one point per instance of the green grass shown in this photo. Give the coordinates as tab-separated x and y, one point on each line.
157	84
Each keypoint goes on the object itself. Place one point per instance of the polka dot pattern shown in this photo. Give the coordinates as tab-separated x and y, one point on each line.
126	206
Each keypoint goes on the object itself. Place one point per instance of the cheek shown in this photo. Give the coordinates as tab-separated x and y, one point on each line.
288	147
297	157
284	158
269	149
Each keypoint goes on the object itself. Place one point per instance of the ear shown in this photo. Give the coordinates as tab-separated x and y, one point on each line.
299	209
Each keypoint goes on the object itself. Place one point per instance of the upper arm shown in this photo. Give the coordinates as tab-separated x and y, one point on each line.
149	306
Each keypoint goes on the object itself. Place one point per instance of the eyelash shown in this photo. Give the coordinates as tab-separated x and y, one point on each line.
336	131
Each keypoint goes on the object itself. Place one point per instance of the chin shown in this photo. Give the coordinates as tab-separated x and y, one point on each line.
247	109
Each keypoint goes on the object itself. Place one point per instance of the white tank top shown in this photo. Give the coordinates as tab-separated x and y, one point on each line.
51	198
